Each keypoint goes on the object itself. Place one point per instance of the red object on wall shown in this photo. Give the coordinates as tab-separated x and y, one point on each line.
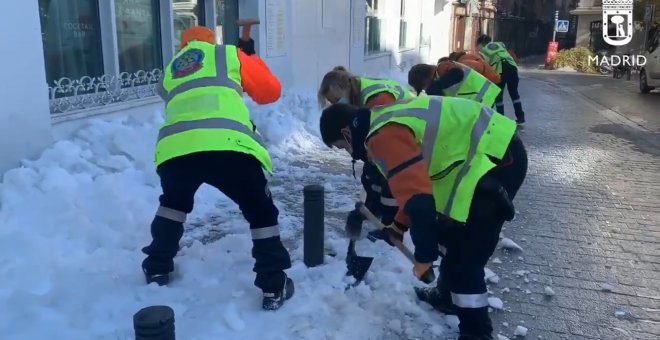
553	46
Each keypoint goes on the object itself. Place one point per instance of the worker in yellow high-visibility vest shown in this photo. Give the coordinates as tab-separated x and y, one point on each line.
497	55
454	167
209	138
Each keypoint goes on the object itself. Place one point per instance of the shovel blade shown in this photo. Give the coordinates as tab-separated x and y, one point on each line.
358	266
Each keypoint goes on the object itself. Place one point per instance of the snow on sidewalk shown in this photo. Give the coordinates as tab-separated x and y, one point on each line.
74	221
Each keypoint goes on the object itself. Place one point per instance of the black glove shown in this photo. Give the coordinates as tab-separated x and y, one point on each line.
246	46
423	227
386	234
354	223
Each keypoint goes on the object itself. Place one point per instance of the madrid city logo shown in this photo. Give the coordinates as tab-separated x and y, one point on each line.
617	21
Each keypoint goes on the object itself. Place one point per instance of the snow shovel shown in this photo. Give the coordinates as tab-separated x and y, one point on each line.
427	277
357	265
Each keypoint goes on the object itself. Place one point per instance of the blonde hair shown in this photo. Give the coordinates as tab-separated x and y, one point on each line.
335	84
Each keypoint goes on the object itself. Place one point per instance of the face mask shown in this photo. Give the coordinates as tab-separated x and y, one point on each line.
343	100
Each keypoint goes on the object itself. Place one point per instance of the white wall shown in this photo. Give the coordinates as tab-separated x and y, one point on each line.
24	113
321	34
441	26
321	40
317	38
435	14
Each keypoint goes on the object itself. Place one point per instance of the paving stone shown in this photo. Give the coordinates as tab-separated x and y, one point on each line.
589	213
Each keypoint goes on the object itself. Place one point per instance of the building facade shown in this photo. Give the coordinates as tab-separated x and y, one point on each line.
526	26
75	59
590	24
589	15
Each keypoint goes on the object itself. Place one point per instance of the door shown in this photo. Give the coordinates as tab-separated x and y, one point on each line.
459	33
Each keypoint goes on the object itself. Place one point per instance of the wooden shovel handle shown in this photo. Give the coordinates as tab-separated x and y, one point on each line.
251	21
373	219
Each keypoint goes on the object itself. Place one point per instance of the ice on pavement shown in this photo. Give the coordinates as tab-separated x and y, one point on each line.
74	222
549	291
508	243
520	331
495	302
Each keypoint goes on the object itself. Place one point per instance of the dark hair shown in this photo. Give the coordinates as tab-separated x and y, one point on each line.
456	55
419	75
483	39
443	59
333	119
339	68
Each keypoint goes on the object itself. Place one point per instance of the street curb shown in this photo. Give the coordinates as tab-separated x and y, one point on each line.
608	113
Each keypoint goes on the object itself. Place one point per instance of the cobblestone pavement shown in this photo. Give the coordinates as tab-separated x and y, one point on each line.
588	224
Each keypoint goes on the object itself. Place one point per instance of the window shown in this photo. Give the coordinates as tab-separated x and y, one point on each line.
424	34
138	35
374	22
227	11
71	36
404	42
187	13
219	20
87	64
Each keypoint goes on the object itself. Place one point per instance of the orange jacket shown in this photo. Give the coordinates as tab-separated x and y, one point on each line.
257	80
474	62
393	145
382	98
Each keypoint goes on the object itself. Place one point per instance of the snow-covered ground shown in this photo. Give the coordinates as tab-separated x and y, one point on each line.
73	223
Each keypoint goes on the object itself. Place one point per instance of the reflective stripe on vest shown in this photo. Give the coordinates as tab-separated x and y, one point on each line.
470	77
431	117
220	79
383	85
208	123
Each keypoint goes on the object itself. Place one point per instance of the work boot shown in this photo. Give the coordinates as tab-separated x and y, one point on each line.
273	301
474	323
438	297
159	279
159	262
474	337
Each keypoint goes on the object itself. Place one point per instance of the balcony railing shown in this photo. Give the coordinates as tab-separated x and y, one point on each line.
68	95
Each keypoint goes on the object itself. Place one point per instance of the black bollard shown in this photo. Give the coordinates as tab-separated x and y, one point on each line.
314	206
154	323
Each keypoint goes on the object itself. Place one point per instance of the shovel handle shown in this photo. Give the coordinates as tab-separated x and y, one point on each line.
373	219
250	21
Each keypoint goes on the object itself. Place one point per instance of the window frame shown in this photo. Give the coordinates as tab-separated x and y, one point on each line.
404	22
378	13
114	87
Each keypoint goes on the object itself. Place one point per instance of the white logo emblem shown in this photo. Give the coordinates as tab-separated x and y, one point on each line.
618	21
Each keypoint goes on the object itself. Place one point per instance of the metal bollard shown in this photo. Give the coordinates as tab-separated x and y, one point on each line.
154	323
313	233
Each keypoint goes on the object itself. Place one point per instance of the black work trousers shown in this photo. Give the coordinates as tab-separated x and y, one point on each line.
469	247
241	178
510	81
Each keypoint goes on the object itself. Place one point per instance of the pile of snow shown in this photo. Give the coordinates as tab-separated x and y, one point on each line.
290	124
74	221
